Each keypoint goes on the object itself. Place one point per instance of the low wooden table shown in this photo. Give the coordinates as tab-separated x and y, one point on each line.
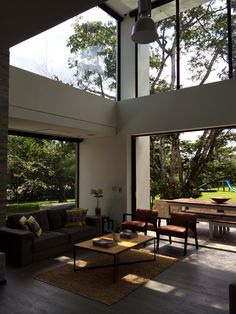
115	251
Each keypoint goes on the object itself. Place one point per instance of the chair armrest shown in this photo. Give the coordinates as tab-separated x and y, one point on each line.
17	244
125	216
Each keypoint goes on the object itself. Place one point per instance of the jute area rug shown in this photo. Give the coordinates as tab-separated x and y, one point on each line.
97	284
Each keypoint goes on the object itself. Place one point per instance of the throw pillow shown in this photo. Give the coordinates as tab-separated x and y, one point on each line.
76	217
34	226
23	223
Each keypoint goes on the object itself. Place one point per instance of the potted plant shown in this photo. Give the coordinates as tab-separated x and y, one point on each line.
97	193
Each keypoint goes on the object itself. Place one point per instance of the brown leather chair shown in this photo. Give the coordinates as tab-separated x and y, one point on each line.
180	225
142	221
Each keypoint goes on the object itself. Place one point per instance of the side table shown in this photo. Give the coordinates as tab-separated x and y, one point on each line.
2	268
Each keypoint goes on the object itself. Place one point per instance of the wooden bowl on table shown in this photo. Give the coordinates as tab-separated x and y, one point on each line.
220	200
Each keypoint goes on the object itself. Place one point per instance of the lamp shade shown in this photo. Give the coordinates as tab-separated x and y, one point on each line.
144	31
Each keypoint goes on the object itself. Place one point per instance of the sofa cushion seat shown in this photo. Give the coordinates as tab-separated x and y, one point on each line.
49	240
78	234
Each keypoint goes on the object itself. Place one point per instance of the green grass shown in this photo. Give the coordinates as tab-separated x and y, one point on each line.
220	193
27	206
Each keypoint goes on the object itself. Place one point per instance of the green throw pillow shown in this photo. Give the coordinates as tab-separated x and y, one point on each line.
34	226
23	223
76	217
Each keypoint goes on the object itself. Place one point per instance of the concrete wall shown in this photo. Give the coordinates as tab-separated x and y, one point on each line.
210	105
143	172
103	165
4	88
44	101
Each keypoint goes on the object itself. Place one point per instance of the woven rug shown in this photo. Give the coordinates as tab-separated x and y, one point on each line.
97	284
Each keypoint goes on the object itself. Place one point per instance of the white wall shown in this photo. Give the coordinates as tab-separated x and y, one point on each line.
103	165
51	103
143	172
210	105
127	60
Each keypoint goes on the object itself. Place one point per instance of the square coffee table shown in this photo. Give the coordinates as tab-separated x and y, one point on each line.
115	251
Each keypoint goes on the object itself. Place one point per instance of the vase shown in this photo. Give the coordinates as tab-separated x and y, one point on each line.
98	211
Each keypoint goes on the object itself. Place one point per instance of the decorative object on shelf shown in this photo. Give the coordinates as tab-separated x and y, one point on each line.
220	200
97	193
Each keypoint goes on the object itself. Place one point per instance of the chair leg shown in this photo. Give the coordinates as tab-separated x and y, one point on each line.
196	239
185	244
158	240
170	240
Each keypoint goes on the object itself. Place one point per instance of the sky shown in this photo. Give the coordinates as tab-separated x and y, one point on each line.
46	54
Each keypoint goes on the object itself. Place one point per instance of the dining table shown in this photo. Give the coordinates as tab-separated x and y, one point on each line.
220	216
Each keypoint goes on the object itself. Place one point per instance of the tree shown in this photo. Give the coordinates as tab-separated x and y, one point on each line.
179	168
93	56
40	169
203	47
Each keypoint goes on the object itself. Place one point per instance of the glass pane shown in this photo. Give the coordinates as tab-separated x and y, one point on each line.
233	21
203	42
163	50
80	52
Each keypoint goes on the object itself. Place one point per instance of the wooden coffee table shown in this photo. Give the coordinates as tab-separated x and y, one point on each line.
115	251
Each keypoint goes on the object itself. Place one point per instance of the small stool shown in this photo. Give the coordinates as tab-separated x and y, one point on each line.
2	268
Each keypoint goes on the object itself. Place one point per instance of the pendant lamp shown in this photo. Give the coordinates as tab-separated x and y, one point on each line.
144	30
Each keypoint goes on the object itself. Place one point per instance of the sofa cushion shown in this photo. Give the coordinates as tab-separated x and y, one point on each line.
49	240
34	226
23	223
57	218
78	234
76	217
40	215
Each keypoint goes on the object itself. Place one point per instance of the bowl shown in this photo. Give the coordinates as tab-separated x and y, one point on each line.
220	200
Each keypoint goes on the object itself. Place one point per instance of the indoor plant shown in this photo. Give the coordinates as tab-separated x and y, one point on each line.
97	193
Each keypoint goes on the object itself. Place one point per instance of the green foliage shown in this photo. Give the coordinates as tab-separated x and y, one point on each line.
40	168
203	47
179	167
93	56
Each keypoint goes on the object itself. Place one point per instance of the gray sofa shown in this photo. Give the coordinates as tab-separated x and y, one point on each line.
23	247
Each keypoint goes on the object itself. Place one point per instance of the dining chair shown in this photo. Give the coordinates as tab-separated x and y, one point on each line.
180	225
142	221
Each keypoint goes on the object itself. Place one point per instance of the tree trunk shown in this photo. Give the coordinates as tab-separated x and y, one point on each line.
202	156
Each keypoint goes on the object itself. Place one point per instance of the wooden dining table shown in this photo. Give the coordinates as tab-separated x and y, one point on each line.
207	204
219	216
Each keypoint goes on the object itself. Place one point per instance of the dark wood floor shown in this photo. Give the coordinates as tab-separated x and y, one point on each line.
198	284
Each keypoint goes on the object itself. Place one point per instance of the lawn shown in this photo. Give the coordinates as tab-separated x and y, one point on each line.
28	206
220	193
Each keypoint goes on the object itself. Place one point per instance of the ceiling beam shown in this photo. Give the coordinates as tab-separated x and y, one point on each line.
21	20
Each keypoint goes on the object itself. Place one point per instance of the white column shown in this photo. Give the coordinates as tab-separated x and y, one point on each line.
143	70
127	60
143	172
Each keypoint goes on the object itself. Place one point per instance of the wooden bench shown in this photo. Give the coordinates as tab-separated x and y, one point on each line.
218	221
221	224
